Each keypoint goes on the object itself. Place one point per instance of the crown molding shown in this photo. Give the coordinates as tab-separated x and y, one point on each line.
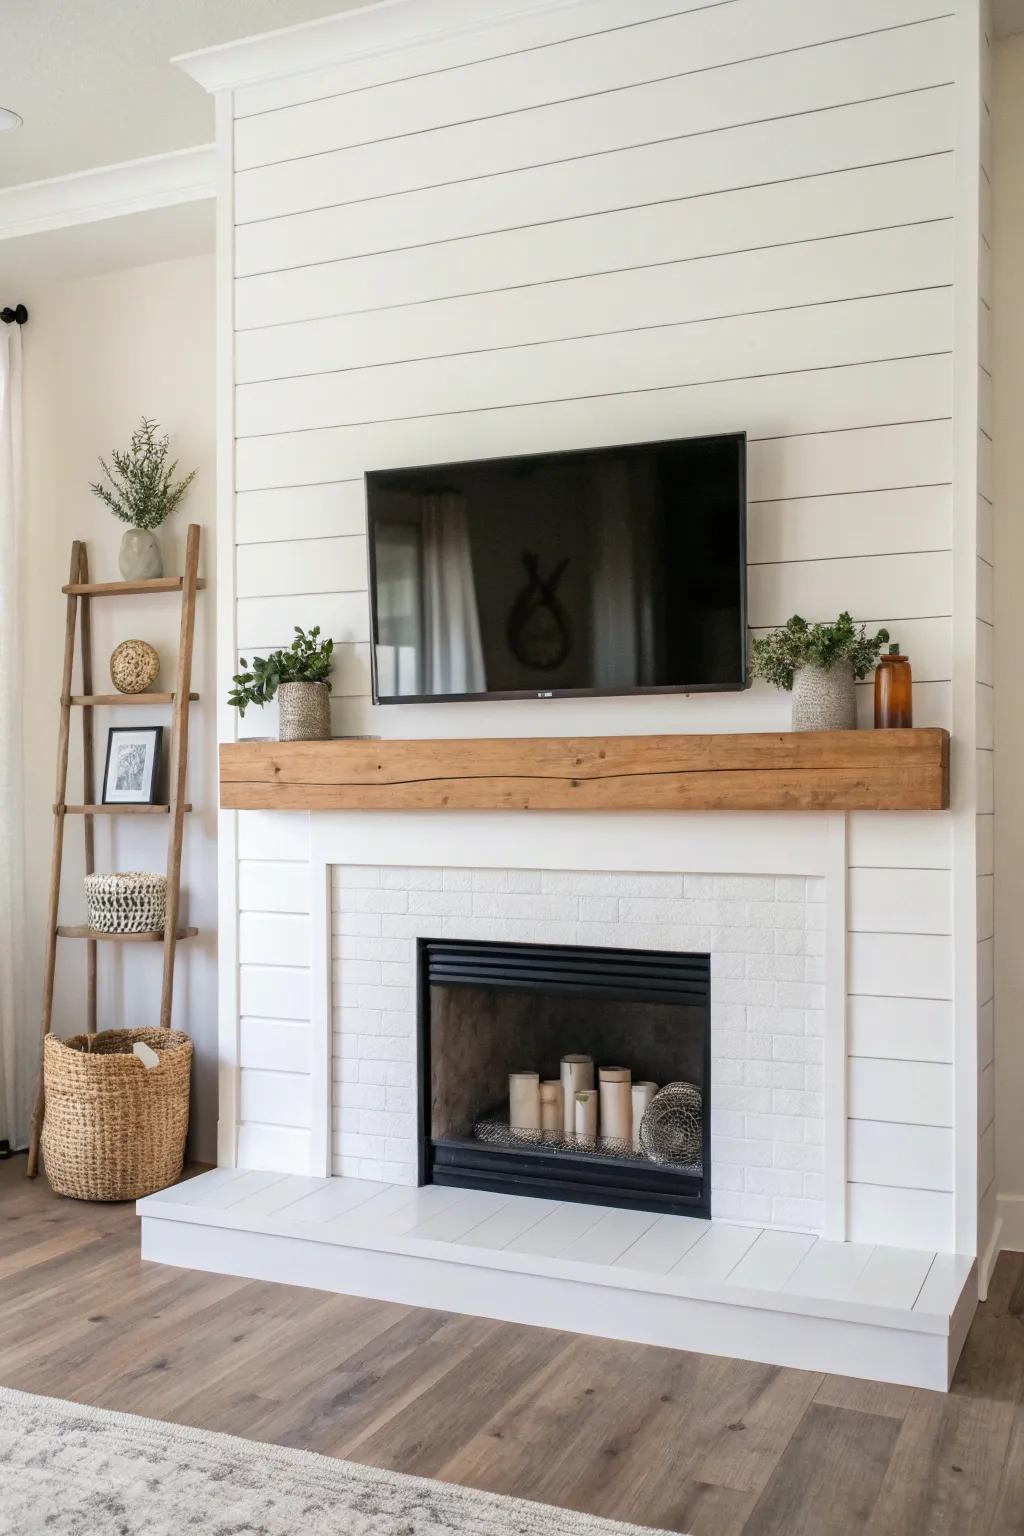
386	26
109	192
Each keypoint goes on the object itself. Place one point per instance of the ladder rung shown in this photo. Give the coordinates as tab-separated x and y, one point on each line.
90	700
116	810
81	931
127	588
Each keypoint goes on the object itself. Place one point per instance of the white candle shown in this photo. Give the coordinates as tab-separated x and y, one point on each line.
577	1072
616	1105
642	1094
524	1101
585	1114
551	1113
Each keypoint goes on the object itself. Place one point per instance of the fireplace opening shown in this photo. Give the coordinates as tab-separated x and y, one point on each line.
566	1072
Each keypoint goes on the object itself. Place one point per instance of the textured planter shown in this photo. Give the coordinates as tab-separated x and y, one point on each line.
824	699
139	558
304	712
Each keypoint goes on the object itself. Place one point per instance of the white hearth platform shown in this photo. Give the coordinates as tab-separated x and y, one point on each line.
783	1298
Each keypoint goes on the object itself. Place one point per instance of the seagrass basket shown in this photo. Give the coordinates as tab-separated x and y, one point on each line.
114	1129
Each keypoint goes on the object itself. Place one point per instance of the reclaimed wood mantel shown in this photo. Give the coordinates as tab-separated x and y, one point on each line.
905	770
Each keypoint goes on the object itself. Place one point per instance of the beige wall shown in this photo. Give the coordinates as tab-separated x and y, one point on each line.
98	354
1008	369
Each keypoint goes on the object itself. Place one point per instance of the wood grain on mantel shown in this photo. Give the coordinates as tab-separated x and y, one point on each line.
813	771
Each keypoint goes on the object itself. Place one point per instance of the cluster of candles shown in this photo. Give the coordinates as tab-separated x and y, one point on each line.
572	1106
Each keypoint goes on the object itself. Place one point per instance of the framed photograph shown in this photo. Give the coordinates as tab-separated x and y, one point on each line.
133	765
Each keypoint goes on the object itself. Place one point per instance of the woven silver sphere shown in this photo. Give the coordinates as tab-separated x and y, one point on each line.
671	1130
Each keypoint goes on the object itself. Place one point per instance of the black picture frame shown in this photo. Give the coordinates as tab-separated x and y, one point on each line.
150	738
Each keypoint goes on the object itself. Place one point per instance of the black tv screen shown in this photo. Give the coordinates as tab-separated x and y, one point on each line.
603	571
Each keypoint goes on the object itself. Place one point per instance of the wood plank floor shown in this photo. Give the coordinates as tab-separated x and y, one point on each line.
686	1442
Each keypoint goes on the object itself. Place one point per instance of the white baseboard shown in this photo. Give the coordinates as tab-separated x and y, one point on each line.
987	1260
1010	1222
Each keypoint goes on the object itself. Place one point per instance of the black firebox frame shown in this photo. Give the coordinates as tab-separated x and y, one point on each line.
659	976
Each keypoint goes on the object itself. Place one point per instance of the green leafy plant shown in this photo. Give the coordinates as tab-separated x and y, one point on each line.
307	660
777	656
141	489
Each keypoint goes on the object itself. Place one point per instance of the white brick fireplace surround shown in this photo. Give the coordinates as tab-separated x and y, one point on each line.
766	939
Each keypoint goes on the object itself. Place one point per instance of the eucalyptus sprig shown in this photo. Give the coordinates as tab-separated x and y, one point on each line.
141	489
307	660
776	657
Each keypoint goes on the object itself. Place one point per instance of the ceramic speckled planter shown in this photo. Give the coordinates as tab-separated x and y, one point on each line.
139	558
824	699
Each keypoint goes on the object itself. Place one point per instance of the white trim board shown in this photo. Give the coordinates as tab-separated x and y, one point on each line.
892	1315
109	192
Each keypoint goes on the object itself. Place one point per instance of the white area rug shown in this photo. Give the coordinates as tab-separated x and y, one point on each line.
69	1470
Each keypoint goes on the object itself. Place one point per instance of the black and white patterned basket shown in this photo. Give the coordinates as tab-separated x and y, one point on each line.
133	902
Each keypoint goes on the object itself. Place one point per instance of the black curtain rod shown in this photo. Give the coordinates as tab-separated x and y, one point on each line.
18	315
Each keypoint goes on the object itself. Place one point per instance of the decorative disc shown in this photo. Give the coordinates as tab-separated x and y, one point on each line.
671	1130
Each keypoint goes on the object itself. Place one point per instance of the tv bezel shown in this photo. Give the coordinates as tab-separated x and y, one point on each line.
564	693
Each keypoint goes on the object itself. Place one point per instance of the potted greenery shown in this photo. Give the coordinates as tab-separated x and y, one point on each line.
818	664
141	491
298	676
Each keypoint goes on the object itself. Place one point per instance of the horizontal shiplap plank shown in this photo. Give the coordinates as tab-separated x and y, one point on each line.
928	640
902	1028
704	104
304	511
272	1045
907	1092
273	835
264	622
986	906
912	584
876	523
662	355
904	1218
832	453
307	565
900	901
882	840
275	1098
274	938
284	1148
844	137
875	197
272	886
782	277
985	832
900	965
274	992
906	1156
708	38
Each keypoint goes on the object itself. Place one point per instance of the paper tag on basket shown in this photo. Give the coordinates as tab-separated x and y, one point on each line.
146	1054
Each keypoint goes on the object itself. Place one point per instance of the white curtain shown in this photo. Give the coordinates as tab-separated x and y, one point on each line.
15	1038
623	640
454	655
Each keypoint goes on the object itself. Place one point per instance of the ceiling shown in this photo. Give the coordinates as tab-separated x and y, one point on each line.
94	83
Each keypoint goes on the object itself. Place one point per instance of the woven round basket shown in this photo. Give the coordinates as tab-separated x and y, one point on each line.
133	902
114	1129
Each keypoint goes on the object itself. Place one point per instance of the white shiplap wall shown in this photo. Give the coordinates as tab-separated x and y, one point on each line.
615	220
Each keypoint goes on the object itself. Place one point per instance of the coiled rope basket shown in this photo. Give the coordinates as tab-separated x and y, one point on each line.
115	1129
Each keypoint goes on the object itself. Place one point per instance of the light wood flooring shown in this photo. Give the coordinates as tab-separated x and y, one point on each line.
685	1442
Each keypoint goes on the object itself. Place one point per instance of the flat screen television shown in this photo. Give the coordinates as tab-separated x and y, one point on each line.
599	571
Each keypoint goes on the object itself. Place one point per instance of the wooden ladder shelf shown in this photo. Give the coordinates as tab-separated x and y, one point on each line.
80	592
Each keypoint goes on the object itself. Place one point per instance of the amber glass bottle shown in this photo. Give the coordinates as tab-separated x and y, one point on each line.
894	705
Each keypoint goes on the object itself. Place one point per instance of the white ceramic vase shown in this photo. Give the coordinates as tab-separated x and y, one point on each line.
139	558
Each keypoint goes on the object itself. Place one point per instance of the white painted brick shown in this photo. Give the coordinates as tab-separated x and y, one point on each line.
814	1186
360	1096
360	1021
488	880
790	888
743	1207
411	879
579	883
398	975
400	1100
399	1149
457	880
788	1101
727	914
365	925
752	1154
397	1021
743	940
698	885
399	1074
750	1100
727	1122
775	1074
727	1070
797	1048
729	1178
442	903
727	1015
397	1173
394	998
776	914
382	1123
646	936
799	994
814	968
777	1127
742	1045
402	925
774	1181
516	931
778	1021
816	892
649	909
599	909
803	1159
773	967
358	970
805	1215
360	899
745	887
386	1047
524	882
752	994
349	876
534	909
727	967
